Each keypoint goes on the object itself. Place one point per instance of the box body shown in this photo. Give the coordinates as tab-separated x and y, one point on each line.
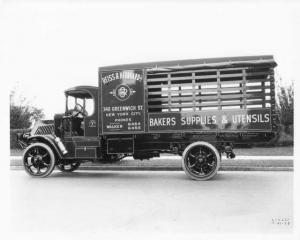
204	95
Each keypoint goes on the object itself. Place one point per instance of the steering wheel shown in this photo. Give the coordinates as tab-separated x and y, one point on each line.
79	110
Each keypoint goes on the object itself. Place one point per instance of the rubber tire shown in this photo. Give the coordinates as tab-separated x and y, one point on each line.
52	160
68	170
212	148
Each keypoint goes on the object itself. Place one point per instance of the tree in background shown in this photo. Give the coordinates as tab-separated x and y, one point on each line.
285	107
22	114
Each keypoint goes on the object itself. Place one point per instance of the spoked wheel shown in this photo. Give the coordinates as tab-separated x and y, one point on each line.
201	161
38	160
68	167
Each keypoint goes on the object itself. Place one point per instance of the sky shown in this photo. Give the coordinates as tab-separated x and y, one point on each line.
47	47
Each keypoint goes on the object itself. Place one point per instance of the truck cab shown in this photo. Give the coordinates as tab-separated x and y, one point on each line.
78	126
80	117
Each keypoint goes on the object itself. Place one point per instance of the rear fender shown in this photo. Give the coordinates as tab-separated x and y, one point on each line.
47	139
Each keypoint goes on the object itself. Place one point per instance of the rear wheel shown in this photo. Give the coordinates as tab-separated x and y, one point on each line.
38	160
201	161
68	167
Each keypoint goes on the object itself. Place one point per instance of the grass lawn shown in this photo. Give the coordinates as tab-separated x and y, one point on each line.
258	151
265	151
16	152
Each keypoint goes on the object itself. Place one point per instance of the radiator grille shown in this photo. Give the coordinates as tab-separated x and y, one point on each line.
44	129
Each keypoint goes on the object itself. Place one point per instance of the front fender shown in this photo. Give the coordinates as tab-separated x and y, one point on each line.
47	139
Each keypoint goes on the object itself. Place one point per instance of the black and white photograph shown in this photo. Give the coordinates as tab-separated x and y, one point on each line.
149	119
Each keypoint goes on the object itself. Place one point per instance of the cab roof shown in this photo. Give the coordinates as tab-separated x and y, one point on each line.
197	63
81	91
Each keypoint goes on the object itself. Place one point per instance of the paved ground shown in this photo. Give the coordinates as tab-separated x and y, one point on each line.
174	163
255	151
148	202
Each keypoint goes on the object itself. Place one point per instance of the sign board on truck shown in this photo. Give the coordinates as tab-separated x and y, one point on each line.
122	95
224	120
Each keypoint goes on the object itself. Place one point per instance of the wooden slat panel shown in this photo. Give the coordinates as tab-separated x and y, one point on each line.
263	90
190	91
169	90
233	103
197	71
212	97
255	87
219	90
230	89
194	91
189	78
250	74
183	91
223	90
247	81
211	89
244	99
210	83
181	85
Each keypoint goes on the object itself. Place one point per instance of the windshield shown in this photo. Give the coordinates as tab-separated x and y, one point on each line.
84	104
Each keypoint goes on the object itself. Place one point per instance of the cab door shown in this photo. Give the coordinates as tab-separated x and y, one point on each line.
91	123
88	146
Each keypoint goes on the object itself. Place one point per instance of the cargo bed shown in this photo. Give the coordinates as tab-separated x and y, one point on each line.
216	95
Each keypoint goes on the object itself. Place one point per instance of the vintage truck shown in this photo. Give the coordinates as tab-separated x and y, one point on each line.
198	109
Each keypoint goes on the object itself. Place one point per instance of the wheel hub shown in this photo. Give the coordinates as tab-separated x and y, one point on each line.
201	158
37	159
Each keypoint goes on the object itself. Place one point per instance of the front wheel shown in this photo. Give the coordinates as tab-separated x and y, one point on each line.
38	160
200	161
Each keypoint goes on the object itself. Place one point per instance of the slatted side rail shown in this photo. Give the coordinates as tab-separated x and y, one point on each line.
205	89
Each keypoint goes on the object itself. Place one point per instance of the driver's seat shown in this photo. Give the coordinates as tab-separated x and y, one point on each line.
76	123
77	126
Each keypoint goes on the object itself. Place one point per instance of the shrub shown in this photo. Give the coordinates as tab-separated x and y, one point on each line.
285	108
22	114
13	137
